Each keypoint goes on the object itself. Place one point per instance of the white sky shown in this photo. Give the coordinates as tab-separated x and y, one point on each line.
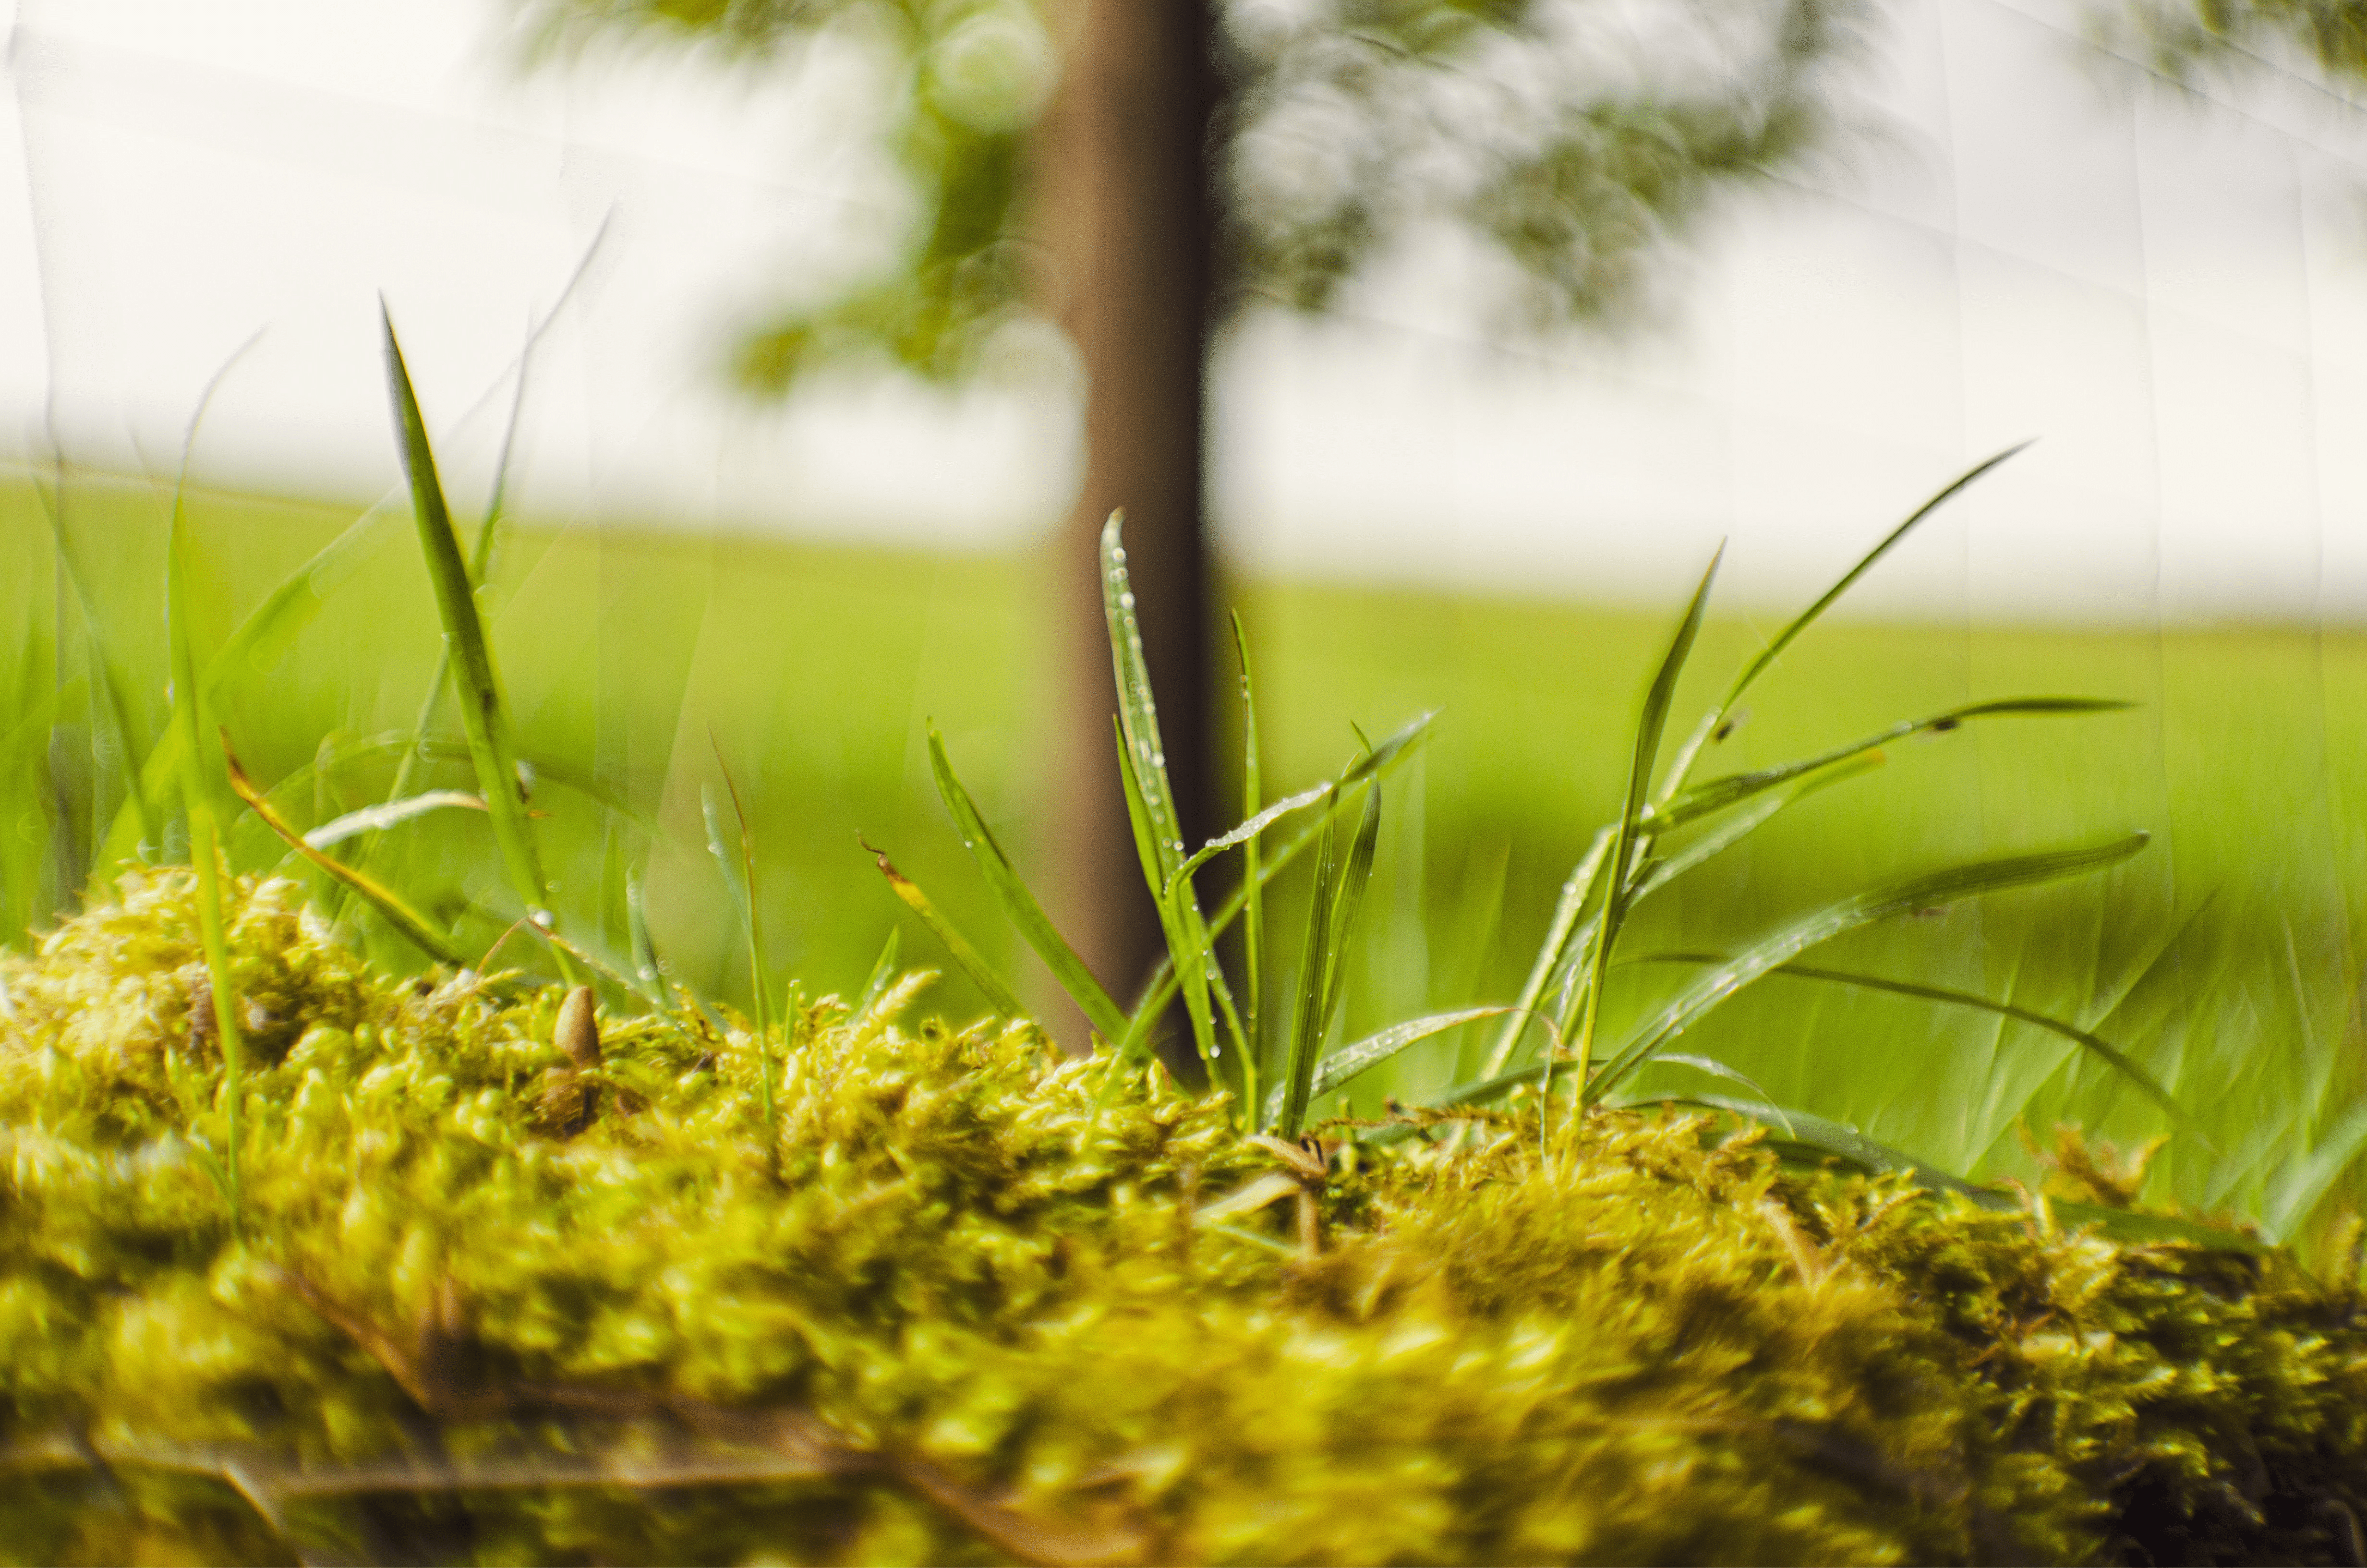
2171	294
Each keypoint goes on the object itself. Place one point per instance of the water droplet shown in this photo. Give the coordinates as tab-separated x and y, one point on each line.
1159	759
544	918
1125	600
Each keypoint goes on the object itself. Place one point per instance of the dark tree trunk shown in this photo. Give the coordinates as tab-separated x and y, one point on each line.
1123	178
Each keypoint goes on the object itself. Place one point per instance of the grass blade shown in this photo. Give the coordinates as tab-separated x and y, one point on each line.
973	964
1322	979
1368	765
883	971
1351	1060
413	925
205	857
654	982
2104	1051
482	719
393	813
1559	936
2307	1180
1862	909
1807	617
1714	724
1253	896
1018	904
1719	793
1649	725
751	923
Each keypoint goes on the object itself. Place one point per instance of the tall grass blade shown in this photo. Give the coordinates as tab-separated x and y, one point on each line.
1654	875
752	919
1650	723
414	926
205	857
2304	1184
1719	793
1150	802
111	748
2103	1050
1863	909
1367	765
1018	904
972	962
483	718
1254	895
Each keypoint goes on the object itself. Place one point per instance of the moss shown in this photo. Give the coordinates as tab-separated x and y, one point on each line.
495	1301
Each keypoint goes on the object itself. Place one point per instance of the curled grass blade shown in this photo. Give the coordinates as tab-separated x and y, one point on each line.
2103	1050
1719	793
477	687
1722	982
1018	904
972	962
414	926
393	813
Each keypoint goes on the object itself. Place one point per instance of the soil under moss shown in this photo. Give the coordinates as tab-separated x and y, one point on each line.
977	1302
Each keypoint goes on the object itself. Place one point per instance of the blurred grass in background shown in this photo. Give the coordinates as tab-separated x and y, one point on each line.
2224	957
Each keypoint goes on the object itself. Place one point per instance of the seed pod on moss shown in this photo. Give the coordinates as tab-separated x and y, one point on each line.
578	1033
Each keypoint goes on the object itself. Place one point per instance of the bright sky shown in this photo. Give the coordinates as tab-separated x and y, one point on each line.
2171	293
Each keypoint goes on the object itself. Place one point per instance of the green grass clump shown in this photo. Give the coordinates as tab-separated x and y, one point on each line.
973	1300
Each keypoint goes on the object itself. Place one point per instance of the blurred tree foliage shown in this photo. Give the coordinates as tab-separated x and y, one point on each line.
2181	37
1569	136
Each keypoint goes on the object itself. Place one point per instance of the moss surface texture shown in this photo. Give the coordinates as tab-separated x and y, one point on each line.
491	1300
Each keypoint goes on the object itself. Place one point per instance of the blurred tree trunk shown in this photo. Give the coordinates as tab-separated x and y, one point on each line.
1124	180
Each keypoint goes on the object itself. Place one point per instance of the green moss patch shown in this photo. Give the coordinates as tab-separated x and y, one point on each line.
491	1300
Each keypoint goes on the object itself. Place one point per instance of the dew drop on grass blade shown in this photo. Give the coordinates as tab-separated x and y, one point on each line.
1018	904
478	689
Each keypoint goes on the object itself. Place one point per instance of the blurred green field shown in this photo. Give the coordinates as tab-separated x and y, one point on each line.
2224	957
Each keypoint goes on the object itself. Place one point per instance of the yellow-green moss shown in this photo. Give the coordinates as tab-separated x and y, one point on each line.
961	1310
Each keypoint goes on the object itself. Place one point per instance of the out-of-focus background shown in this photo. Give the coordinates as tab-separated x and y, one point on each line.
1767	275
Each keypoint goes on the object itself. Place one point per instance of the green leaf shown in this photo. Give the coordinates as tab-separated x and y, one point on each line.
1720	793
1559	933
973	964
654	983
2127	1066
483	718
1018	904
414	926
1368	765
1941	887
